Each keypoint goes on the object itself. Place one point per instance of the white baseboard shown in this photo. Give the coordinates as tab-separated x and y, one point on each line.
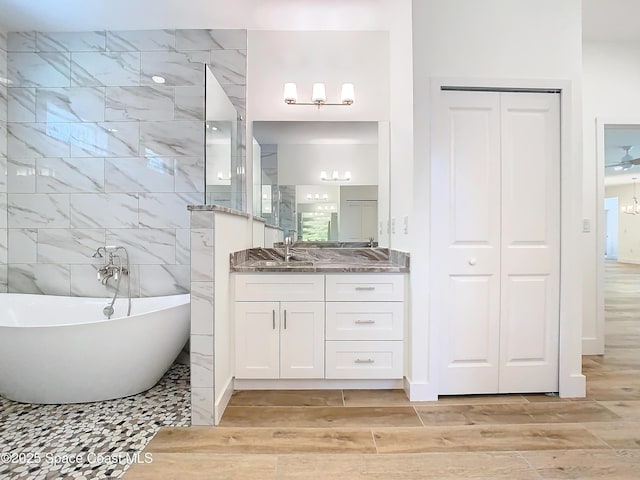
575	386
222	401
420	392
313	384
592	346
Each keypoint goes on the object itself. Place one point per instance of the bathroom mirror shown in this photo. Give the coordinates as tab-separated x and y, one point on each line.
224	168
323	181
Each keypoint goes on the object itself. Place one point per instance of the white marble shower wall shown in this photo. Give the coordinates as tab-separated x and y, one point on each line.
3	162
98	153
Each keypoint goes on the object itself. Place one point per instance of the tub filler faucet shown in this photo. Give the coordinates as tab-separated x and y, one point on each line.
113	268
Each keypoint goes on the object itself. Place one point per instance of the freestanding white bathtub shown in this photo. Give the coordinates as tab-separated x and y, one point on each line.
63	350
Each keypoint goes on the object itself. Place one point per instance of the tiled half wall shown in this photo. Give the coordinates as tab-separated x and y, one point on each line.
98	153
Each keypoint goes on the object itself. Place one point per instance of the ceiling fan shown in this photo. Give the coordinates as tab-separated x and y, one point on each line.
626	162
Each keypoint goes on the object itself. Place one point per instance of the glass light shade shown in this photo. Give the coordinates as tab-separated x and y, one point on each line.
290	93
335	175
323	175
348	95
347	175
318	94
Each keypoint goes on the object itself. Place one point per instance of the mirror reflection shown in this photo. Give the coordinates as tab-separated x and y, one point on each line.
318	180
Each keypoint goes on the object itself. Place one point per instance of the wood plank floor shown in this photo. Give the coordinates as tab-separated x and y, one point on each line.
356	434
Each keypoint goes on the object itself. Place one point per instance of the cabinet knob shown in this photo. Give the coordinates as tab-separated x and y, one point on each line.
367	360
472	261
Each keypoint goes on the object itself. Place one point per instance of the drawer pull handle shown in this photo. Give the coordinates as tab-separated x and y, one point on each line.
285	319
368	360
273	318
360	289
361	322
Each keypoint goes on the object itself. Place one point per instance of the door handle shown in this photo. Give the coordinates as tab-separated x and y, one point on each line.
285	319
273	318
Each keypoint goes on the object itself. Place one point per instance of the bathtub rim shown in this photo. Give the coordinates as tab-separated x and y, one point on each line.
101	320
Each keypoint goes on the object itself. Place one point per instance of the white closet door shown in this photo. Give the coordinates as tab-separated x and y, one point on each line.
466	240
530	298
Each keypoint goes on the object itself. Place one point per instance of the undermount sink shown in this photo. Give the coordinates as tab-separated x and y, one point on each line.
281	263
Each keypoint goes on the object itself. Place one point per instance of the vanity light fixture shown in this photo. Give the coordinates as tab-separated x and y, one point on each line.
335	176
318	95
317	196
222	177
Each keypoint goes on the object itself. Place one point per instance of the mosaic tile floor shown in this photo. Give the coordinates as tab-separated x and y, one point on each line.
90	440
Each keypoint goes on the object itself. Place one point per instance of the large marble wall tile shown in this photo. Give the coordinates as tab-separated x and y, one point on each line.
70	41
21	175
141	40
146	246
3	67
189	175
183	246
108	139
3	40
189	103
202	219
135	174
202	412
201	351
45	279
84	282
202	258
23	245
229	66
172	138
25	140
105	69
37	211
21	105
139	103
39	69
69	175
157	280
237	94
4	245
4	270
4	101
211	39
177	68
4	221
202	309
166	210
107	210
75	104
68	245
21	42
3	167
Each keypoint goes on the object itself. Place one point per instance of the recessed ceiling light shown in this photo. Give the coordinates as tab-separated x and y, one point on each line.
158	79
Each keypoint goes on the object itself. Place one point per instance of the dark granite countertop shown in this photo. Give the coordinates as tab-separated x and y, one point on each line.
345	260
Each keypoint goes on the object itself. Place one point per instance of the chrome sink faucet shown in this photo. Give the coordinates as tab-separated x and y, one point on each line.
287	249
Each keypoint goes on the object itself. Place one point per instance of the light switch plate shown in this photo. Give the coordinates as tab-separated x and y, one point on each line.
586	225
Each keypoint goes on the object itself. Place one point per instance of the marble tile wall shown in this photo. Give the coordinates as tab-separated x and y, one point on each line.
3	162
98	153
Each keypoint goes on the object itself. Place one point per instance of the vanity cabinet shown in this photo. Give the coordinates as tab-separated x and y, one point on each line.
332	326
364	326
283	337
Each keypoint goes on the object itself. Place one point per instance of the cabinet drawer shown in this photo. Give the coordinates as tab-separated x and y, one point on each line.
365	320
281	287
371	288
345	359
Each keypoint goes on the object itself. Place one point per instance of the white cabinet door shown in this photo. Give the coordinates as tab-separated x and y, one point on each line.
466	241
495	241
302	340
257	339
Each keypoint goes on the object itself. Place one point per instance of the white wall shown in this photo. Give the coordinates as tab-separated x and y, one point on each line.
232	233
302	164
491	39
611	75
